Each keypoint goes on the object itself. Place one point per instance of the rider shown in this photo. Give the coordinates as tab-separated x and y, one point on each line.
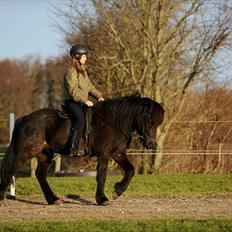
77	87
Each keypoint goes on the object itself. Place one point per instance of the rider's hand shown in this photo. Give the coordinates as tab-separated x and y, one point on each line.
89	103
101	99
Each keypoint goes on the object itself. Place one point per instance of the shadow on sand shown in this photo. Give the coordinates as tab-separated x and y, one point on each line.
79	199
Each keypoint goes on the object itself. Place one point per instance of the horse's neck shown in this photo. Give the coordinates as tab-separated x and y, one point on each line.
122	121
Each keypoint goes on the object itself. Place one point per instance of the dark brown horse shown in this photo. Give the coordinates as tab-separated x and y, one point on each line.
44	132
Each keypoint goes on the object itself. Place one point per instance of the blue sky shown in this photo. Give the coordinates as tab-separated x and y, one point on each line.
26	29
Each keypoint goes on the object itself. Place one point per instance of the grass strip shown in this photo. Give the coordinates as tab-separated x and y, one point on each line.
164	225
160	184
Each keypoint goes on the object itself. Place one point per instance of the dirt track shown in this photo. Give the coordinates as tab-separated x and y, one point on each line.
142	207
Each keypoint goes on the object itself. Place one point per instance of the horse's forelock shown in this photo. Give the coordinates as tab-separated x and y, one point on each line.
151	111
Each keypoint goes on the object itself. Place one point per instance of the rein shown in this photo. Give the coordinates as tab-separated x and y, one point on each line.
118	128
109	122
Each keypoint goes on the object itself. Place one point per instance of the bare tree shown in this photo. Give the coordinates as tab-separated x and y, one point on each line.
161	48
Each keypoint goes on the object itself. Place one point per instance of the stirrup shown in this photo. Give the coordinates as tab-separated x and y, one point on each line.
76	152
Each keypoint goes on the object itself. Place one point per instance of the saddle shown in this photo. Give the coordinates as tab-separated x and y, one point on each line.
84	142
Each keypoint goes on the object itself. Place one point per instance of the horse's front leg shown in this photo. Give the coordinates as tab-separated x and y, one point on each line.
102	164
41	173
124	163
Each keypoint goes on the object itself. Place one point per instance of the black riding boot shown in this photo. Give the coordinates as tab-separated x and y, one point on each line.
74	142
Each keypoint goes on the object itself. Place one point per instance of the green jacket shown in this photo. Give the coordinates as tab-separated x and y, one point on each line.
77	86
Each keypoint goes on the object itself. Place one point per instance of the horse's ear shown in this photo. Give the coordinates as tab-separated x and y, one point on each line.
136	94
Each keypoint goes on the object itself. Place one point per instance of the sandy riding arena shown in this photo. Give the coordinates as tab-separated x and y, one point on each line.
139	207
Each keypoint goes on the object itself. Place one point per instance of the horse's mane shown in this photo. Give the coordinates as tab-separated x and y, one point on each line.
124	109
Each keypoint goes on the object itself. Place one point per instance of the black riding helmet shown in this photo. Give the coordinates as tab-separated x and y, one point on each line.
78	49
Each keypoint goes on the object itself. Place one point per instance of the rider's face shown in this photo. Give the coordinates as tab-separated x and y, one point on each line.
83	59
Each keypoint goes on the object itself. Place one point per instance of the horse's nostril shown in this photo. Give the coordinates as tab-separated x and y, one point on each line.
151	146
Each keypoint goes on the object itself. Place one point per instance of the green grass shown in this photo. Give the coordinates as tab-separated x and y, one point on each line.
164	225
160	184
156	185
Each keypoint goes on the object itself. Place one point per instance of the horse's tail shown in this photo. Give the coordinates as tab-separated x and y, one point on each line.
9	160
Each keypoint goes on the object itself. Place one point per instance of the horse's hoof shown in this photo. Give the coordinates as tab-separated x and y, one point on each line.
53	201
115	196
104	201
58	202
10	197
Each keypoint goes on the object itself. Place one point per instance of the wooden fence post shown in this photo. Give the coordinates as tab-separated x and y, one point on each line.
34	163
57	163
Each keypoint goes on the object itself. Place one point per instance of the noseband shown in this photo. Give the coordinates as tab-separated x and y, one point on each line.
145	137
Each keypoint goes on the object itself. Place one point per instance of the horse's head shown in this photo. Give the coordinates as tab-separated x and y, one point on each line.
134	113
147	122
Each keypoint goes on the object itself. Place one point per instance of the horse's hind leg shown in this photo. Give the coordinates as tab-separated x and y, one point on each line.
44	163
102	164
10	165
129	169
3	186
